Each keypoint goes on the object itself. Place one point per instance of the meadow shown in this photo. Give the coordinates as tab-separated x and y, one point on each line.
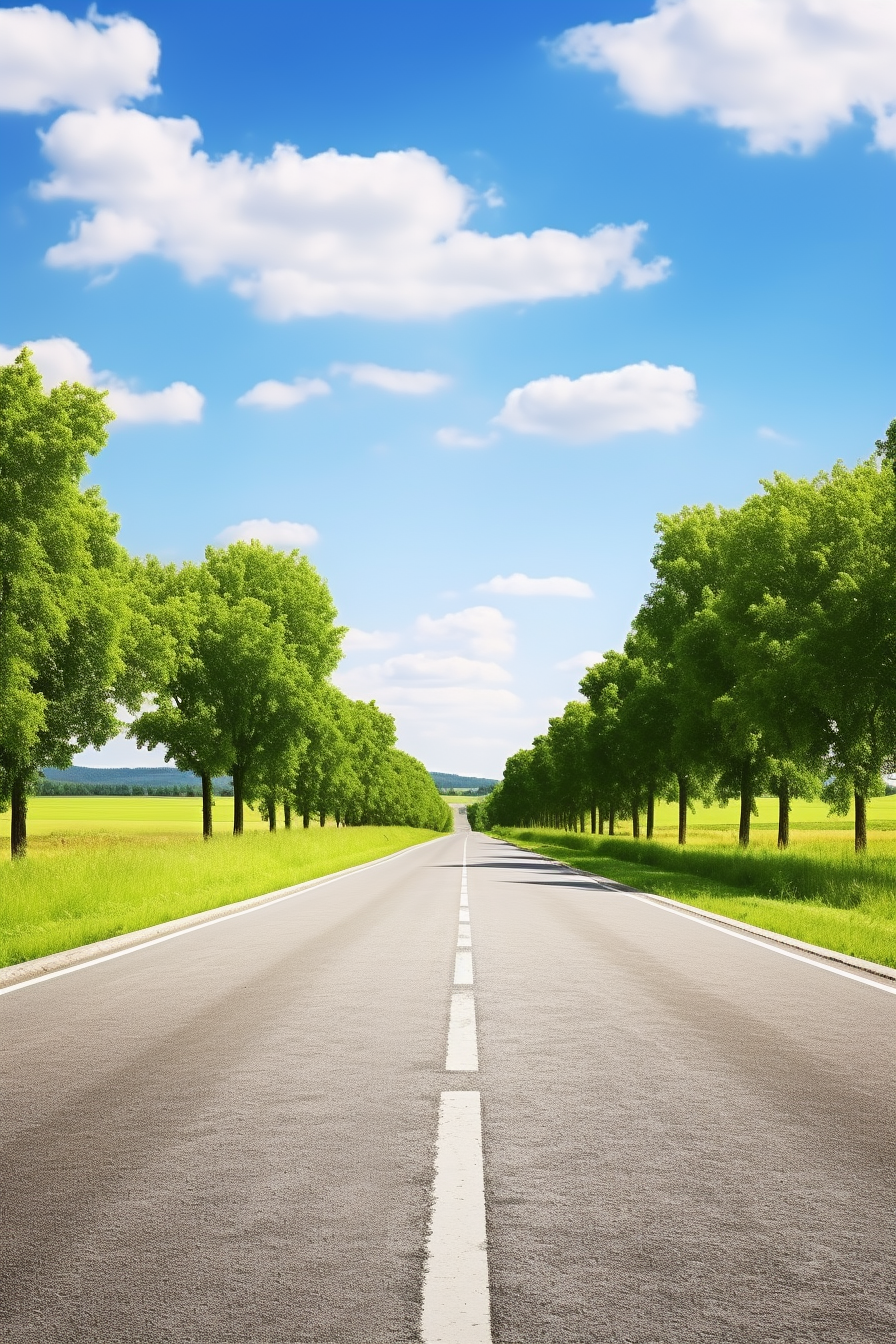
818	890
98	867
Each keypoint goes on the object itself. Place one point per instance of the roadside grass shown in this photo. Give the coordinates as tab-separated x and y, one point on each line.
69	894
821	894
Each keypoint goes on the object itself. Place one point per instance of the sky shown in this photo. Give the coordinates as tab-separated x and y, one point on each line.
454	297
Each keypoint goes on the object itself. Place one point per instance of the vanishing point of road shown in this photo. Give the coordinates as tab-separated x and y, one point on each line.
456	1096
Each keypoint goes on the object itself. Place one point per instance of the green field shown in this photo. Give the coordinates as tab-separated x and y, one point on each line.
809	821
818	891
98	867
50	820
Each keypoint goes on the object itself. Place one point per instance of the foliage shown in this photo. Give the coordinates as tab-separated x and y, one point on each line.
763	658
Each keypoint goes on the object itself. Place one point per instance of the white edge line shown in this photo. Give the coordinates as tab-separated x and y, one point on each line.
313	884
761	942
708	923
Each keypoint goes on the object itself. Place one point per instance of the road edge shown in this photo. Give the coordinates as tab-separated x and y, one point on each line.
813	949
23	972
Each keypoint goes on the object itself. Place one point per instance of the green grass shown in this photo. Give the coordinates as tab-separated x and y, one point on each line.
83	889
820	894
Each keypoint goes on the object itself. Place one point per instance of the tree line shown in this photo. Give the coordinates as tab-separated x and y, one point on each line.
762	661
226	663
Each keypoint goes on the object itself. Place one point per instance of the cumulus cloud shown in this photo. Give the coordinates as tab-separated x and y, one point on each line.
452	437
449	670
382	236
785	72
61	360
601	405
520	585
403	382
484	630
580	662
273	396
283	536
48	60
354	640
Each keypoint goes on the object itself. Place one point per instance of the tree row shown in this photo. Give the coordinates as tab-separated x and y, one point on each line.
225	663
762	661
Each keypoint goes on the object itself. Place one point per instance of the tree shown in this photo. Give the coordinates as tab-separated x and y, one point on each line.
64	612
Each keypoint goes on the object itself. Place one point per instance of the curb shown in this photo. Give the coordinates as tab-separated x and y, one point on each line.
73	957
823	953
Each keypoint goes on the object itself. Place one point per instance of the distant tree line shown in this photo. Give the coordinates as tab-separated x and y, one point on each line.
225	663
64	788
763	660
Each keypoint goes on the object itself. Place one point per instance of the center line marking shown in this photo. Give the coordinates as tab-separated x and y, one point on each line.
463	966
462	1055
456	1304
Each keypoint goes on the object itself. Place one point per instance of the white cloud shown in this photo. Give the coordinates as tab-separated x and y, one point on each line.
766	432
368	639
484	630
452	437
273	396
404	382
579	662
283	536
601	405
430	667
48	60
60	360
785	72
520	585
382	236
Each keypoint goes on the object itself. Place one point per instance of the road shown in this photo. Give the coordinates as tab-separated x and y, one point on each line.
249	1132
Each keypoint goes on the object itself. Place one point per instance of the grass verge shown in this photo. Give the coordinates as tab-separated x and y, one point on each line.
827	899
66	897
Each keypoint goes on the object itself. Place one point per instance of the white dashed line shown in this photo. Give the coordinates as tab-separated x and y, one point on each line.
462	1055
456	1306
463	967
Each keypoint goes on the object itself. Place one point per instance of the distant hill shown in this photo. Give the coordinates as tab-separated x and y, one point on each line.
144	776
471	782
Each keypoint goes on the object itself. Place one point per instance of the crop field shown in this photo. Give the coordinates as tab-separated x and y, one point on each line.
818	891
809	822
98	867
51	820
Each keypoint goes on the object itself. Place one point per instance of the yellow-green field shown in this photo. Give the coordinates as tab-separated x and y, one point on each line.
98	867
810	822
50	819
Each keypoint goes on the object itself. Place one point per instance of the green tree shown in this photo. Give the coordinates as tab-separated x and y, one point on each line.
64	614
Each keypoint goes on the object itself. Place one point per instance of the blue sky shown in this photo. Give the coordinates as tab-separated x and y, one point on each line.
747	328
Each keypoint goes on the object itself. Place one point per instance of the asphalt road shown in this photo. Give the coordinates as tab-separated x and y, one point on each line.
231	1136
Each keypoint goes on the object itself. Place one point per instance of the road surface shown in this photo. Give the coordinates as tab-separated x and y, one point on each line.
293	1125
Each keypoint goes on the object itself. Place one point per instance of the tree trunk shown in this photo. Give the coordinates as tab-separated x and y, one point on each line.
650	808
306	819
682	809
746	803
861	824
636	821
287	816
593	819
272	814
337	819
612	826
18	831
783	815
600	821
323	818
206	806
237	775
582	823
